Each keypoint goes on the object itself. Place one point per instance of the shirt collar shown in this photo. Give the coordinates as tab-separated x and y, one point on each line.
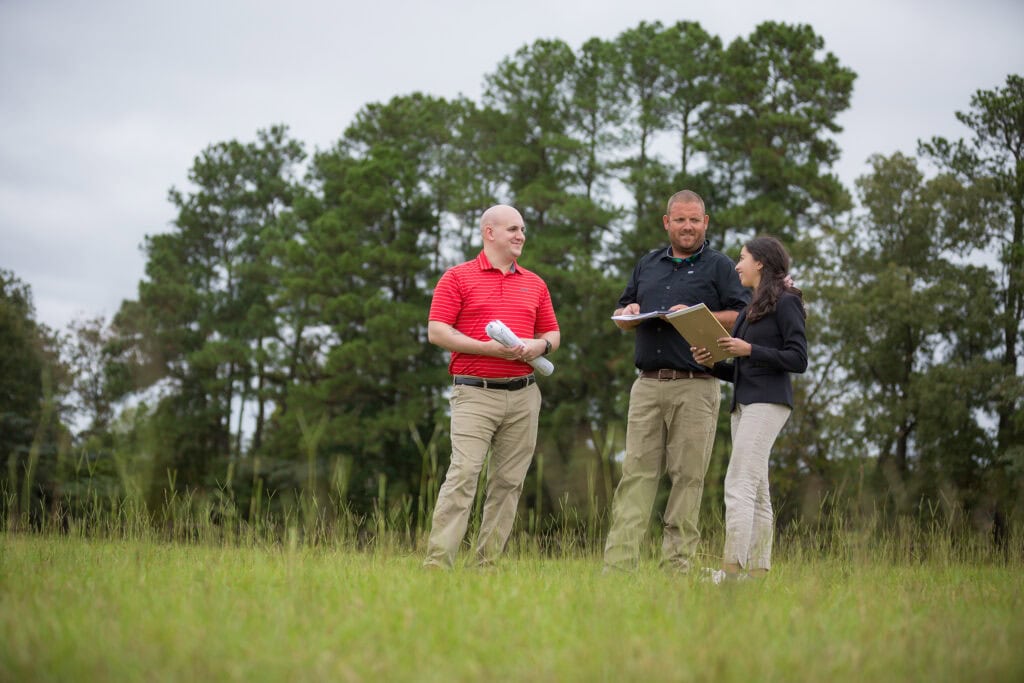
485	263
689	260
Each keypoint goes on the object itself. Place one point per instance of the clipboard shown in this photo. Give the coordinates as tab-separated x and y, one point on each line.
699	327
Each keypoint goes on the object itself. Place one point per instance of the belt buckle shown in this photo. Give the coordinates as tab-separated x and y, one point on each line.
662	377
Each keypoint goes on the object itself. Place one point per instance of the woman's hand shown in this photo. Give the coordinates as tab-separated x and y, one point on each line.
734	345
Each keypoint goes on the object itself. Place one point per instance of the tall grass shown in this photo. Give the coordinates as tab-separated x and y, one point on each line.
119	505
314	520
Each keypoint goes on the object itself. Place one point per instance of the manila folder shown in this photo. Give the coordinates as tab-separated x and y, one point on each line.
700	328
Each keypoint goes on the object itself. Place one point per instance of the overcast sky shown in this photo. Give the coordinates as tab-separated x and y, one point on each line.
104	104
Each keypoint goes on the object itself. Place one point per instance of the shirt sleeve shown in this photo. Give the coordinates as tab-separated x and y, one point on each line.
546	321
447	300
630	293
792	357
724	370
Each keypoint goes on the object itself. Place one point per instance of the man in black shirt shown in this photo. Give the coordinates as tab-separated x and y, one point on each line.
673	404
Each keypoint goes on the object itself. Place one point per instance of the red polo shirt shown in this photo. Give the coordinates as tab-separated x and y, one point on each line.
472	294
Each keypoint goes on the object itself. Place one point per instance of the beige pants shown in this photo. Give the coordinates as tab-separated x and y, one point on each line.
749	525
505	422
671	429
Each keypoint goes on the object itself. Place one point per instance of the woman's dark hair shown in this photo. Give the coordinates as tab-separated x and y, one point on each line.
774	260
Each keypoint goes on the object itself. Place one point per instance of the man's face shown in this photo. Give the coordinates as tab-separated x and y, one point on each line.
686	224
509	233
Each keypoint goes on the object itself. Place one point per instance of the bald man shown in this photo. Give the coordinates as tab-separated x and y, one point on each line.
495	401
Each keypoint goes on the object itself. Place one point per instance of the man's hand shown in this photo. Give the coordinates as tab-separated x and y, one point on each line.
499	350
628	309
535	348
702	355
527	351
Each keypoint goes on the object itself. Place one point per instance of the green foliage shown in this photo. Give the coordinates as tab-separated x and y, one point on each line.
201	322
278	338
899	310
771	145
990	169
694	60
20	372
33	385
368	248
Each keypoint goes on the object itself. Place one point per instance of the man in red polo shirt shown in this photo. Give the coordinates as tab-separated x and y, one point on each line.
495	401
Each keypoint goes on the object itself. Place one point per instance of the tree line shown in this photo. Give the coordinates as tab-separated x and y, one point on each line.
277	342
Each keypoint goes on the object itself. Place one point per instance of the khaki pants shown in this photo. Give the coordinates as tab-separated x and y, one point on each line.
749	524
671	429
505	422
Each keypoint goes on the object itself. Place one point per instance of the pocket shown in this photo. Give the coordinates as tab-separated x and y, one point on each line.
457	396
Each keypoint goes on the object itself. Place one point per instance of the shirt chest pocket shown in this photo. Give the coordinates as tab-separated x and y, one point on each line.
679	287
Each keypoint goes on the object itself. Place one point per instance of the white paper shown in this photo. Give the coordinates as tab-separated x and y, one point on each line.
639	316
499	332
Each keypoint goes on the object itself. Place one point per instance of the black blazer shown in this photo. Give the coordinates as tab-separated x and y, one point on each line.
778	344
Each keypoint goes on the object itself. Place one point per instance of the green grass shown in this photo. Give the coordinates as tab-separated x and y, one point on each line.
73	609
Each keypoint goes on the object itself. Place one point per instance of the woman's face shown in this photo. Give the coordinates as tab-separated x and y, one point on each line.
749	270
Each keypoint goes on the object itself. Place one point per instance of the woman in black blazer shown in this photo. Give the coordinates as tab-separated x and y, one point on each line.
769	343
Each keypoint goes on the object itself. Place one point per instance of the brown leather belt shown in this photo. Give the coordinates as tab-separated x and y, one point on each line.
665	374
508	384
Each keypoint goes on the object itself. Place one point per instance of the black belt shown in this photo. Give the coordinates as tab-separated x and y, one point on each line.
508	384
668	373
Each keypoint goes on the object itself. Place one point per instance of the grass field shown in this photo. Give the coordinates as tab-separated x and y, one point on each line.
73	609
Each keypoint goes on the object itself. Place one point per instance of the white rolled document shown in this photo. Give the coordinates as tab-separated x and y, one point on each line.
499	332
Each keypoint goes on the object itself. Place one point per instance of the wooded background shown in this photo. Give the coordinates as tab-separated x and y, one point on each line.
277	343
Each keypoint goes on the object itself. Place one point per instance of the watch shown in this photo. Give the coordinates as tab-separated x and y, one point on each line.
547	348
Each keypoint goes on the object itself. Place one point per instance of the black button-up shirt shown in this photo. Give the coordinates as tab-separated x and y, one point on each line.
660	281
